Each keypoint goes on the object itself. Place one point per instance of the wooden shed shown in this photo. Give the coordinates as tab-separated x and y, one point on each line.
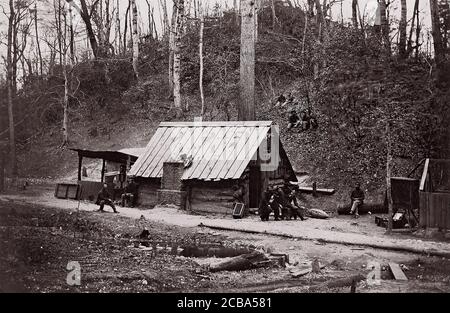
112	161
196	164
434	194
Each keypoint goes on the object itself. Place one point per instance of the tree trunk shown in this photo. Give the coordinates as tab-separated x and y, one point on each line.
200	52
389	174
310	7
165	18
355	13
439	52
38	46
10	87
150	21
172	31
126	27
135	40
65	127
274	16
384	27
84	13
402	30
118	39
418	29
246	109
177	55
415	13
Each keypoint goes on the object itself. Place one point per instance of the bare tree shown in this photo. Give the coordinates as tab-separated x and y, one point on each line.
126	27
165	18
172	31
117	37
384	26
355	13
177	54
200	53
402	30
86	15
246	110
439	51
38	45
135	38
10	87
150	18
415	16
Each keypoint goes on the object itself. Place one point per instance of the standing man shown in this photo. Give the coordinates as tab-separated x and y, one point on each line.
105	198
357	198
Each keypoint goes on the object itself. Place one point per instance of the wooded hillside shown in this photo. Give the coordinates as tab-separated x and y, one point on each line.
380	92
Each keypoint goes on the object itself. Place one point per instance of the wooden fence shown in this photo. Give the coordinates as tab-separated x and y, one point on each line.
434	210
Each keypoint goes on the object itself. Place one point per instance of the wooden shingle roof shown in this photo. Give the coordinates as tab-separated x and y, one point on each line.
220	150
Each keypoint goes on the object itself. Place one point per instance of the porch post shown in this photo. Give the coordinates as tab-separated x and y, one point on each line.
103	170
80	162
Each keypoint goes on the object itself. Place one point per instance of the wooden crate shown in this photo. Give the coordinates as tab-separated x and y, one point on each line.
67	191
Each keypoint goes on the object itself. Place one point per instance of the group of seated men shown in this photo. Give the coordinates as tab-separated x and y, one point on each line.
282	201
305	121
128	196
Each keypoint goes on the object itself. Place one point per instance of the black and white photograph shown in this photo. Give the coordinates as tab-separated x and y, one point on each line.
227	153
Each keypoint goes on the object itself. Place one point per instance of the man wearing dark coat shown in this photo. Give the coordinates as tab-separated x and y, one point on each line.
103	198
357	198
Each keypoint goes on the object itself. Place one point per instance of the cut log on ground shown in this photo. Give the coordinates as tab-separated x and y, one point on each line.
242	262
374	208
316	213
339	283
220	252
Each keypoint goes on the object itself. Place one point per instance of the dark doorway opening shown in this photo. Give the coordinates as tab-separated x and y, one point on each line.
254	186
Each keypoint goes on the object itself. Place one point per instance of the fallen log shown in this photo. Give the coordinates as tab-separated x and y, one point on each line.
374	208
316	213
242	262
339	283
325	191
220	252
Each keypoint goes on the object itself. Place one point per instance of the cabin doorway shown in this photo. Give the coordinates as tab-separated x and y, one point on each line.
254	186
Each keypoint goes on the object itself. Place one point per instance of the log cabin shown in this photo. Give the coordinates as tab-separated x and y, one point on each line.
197	165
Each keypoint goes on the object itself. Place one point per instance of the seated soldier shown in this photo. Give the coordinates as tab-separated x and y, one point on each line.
239	193
130	194
294	120
103	198
274	204
286	207
305	120
297	212
280	100
357	199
